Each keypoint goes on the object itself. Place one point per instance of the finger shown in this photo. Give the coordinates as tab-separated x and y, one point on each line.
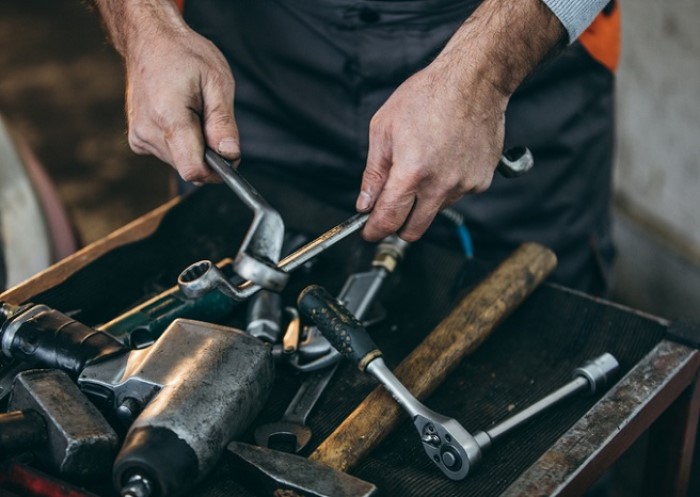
220	130
377	169
183	137
390	211
420	218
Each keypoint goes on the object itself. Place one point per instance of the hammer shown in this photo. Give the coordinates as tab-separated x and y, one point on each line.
460	333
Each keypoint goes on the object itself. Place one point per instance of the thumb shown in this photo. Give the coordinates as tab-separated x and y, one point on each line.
220	128
375	175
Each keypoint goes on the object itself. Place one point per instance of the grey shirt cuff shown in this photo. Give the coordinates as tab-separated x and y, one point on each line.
576	15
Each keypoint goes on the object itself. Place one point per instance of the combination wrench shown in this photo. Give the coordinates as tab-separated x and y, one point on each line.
259	263
446	442
291	433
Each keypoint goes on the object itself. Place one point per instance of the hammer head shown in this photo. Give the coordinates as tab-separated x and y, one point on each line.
80	442
276	473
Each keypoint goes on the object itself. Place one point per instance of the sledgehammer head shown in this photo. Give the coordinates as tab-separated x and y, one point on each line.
79	441
276	473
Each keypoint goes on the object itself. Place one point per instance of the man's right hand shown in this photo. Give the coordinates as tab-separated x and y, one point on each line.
179	87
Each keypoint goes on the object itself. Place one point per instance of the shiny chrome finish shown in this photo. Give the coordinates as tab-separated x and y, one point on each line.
203	277
262	246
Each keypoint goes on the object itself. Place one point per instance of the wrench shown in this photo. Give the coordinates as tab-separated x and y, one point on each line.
291	433
203	277
358	296
446	442
260	251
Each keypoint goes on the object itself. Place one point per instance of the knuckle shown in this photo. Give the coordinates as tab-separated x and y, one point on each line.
192	173
140	132
137	144
373	174
378	127
411	235
219	117
387	223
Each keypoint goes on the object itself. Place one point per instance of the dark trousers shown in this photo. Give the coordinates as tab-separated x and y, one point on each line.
310	74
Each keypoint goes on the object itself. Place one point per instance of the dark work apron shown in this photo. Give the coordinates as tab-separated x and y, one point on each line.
311	73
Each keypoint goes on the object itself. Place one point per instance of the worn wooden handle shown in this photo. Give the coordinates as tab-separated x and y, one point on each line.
462	331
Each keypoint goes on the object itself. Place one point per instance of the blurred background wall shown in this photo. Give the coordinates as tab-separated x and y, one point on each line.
61	91
657	226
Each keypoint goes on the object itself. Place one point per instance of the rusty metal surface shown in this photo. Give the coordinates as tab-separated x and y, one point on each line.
579	457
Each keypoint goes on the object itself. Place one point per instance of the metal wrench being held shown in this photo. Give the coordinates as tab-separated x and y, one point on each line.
258	257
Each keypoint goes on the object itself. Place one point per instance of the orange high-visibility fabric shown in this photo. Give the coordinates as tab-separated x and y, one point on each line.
602	38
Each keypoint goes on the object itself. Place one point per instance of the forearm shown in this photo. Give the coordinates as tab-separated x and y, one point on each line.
180	90
127	22
502	42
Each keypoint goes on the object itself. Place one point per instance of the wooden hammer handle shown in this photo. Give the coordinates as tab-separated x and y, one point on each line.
462	331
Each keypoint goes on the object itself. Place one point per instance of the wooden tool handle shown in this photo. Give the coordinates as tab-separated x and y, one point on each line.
462	331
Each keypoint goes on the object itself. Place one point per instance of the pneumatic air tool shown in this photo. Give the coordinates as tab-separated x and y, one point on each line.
183	398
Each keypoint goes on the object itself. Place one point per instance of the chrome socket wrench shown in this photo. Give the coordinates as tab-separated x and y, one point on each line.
358	294
446	442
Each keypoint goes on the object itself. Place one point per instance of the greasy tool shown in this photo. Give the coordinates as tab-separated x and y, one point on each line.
588	379
183	413
515	162
143	324
290	433
51	417
358	294
462	331
203	276
445	441
277	474
136	328
451	447
261	248
264	312
422	371
264	316
171	390
45	337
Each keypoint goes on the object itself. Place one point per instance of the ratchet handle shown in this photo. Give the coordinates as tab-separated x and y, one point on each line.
338	325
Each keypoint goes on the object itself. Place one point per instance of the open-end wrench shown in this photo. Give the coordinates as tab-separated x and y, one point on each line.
358	294
203	277
451	447
291	433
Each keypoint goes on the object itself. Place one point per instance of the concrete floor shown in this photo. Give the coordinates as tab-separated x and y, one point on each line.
61	90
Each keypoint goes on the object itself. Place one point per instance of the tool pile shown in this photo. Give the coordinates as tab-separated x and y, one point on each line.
173	394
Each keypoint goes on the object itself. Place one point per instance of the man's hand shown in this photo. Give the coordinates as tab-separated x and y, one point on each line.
179	87
440	135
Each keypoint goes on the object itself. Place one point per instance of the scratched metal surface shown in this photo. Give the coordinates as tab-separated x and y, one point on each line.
532	353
